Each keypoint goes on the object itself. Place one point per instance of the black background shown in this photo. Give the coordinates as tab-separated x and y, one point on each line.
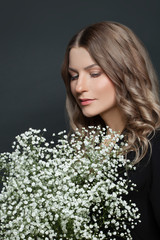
33	38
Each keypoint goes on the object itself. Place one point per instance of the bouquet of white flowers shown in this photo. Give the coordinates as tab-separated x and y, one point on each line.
72	190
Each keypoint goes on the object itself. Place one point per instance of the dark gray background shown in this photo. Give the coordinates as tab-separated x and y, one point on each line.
33	37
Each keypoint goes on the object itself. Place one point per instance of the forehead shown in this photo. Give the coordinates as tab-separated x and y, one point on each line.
79	57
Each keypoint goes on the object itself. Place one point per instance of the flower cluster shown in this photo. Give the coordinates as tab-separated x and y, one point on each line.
72	190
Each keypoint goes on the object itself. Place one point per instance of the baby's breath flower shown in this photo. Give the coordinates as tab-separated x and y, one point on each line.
69	191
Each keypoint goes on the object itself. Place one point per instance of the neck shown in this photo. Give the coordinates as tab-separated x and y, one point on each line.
114	119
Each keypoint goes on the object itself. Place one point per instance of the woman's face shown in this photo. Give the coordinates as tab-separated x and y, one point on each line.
92	89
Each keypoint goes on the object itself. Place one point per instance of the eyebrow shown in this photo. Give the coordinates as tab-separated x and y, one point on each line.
86	68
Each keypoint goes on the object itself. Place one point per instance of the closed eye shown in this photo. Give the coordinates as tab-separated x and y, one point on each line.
75	77
95	75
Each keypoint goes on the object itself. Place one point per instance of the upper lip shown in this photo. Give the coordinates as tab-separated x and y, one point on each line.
85	99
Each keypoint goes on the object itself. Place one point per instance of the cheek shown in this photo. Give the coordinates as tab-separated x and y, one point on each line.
106	87
72	88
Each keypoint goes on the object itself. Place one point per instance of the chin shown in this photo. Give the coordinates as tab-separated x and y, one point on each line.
89	115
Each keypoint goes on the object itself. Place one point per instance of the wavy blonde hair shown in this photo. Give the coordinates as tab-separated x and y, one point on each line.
122	56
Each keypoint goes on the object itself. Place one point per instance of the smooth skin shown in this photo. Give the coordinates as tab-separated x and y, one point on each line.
93	90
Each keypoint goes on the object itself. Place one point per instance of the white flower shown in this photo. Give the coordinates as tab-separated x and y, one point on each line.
55	191
29	189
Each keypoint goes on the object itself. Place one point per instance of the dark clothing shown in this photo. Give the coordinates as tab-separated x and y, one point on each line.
147	198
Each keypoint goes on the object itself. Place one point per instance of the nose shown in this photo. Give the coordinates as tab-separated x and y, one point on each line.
81	84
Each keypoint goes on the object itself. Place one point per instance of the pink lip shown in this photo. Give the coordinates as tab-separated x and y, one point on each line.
86	101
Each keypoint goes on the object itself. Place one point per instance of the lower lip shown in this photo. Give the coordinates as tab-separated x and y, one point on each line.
87	102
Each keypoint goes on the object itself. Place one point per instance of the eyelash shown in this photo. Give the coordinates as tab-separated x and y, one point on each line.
73	77
94	75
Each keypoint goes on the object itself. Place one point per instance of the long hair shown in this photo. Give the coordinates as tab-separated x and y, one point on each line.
123	58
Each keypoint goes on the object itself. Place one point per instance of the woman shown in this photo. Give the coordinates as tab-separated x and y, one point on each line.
110	81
